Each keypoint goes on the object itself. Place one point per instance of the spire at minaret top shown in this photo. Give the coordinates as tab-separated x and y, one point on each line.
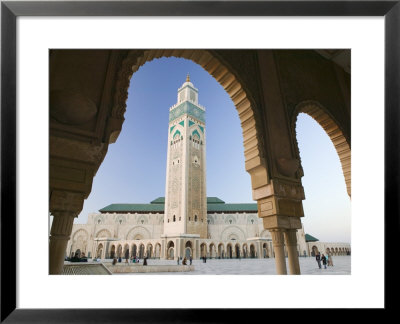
188	78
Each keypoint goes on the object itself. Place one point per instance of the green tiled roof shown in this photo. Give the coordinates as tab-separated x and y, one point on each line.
120	208
214	205
310	238
159	200
222	208
214	200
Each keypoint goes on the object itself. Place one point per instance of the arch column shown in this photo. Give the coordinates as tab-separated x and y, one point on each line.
291	246
64	206
59	237
278	243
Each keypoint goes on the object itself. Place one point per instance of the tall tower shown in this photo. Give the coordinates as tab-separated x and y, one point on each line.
185	190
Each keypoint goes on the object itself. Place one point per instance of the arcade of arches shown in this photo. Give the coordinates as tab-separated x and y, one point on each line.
88	92
104	237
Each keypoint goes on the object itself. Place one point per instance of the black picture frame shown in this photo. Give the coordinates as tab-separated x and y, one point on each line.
10	10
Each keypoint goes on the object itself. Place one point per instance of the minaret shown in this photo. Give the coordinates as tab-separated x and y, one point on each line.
185	190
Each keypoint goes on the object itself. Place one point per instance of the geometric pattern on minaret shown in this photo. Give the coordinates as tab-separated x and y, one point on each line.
185	189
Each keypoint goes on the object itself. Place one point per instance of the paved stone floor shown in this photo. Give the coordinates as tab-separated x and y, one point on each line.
308	266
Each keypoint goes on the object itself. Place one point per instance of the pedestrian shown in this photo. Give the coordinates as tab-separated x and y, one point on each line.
327	259
114	261
119	259
330	261
184	261
318	258
205	259
126	256
190	259
323	258
177	259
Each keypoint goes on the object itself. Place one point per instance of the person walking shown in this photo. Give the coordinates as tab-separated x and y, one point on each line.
318	258
327	259
190	259
127	256
184	261
177	260
330	261
323	258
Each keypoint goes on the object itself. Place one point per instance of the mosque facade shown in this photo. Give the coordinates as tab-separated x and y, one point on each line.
185	222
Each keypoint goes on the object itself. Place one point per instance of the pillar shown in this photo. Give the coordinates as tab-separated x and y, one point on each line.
278	243
291	246
59	237
162	252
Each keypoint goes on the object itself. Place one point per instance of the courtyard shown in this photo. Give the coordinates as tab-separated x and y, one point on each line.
308	266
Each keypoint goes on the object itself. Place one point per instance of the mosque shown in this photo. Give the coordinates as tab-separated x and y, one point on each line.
185	222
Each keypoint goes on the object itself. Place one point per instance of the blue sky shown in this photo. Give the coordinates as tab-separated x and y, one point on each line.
134	168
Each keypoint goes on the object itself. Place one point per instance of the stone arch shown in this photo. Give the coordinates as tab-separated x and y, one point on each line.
157	250
237	250
203	250
138	233
103	233
80	232
229	251
119	251
221	250
245	250
126	251
265	253
233	232
80	240
134	250
340	140
213	250
112	251
99	252
252	251
255	162
266	233
149	250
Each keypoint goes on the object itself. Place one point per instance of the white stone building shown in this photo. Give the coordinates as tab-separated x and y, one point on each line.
186	222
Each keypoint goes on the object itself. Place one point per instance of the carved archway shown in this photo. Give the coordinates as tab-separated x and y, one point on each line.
340	140
103	233
255	162
233	232
138	233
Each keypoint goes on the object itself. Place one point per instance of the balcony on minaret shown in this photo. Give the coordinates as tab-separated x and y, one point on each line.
188	93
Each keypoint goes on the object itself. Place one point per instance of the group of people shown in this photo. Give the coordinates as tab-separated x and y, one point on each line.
184	261
326	260
134	259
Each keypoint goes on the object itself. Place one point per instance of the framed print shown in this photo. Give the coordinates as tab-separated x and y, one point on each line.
235	42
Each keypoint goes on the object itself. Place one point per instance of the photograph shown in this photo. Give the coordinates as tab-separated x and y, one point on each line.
195	161
137	187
